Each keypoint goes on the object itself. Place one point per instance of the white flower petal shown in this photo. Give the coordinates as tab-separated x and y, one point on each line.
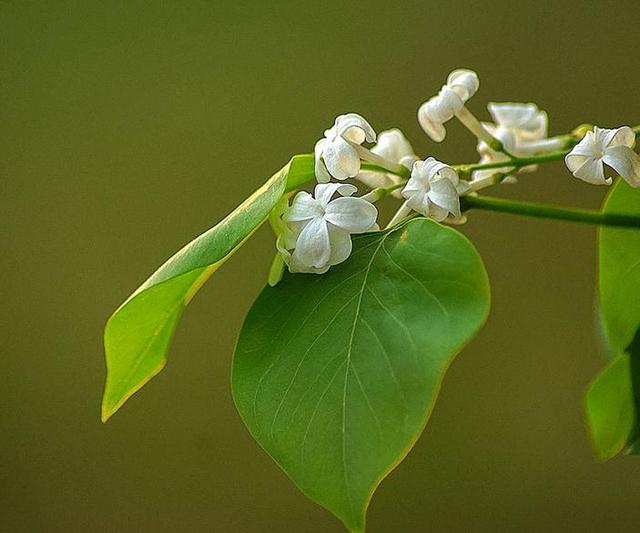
313	246
291	233
590	139
585	148
511	114
394	146
438	110
435	130
342	159
529	122
429	167
419	180
439	170
434	189
420	172
325	191
610	146
602	137
592	171
354	215
624	136
341	245
575	161
418	201
464	82
413	187
303	207
354	128
296	266
437	213
443	193
444	106
321	172
408	160
625	162
507	136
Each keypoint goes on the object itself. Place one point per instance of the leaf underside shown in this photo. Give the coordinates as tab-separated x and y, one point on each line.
336	375
138	334
613	398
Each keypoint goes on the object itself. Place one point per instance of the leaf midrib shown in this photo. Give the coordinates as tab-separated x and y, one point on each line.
348	366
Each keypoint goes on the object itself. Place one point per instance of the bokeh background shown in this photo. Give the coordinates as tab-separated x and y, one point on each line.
127	128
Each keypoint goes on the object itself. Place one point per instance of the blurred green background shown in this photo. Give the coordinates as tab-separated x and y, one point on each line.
128	128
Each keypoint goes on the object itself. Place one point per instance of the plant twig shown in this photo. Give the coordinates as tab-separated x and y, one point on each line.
572	214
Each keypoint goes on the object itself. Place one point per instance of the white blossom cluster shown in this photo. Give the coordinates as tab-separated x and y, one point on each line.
315	230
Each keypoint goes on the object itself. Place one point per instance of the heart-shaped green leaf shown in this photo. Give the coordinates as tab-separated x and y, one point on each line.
613	398
138	334
336	375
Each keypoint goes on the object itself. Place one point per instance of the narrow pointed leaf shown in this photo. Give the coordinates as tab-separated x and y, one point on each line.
613	398
138	334
336	375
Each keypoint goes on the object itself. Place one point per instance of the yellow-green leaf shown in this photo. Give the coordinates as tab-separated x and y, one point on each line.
138	334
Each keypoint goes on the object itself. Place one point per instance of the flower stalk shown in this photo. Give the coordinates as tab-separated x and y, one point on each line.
537	210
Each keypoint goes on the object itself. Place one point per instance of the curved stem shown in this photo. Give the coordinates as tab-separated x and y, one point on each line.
572	214
516	162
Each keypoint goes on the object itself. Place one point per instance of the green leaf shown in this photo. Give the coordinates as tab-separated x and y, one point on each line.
138	334
336	375
619	269
611	404
612	400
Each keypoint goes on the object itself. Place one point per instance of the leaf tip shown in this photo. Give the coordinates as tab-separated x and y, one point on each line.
105	413
108	408
111	403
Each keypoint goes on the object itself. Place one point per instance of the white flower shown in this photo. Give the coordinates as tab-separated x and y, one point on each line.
525	121
613	147
433	189
393	146
432	115
522	129
336	155
318	229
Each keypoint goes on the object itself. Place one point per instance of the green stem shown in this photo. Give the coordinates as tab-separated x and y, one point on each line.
380	192
572	214
401	171
517	162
